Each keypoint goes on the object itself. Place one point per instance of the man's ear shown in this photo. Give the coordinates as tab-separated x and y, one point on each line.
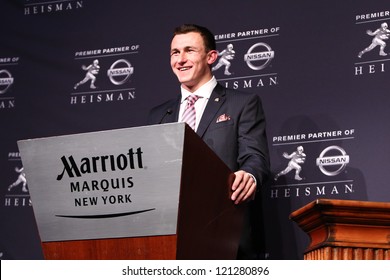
212	56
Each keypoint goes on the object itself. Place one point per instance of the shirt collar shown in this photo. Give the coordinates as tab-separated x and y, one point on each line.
204	91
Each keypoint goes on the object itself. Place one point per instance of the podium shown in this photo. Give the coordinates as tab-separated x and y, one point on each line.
345	229
153	192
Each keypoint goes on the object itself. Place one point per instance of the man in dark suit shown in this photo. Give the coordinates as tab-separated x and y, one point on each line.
232	123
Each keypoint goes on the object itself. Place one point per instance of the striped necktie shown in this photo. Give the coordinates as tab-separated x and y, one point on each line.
189	115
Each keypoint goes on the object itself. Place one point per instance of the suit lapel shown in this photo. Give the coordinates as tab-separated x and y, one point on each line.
215	102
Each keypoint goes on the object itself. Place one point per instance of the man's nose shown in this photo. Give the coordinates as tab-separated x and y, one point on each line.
182	57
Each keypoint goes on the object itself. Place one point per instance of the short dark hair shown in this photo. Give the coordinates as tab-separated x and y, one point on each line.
208	37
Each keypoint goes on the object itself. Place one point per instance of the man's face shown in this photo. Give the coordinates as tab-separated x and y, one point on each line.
189	60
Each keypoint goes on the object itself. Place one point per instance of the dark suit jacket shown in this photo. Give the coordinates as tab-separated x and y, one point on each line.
239	140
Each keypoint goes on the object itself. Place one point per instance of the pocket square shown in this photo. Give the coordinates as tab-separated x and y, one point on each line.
223	118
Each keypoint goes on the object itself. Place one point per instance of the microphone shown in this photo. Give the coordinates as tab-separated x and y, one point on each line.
168	112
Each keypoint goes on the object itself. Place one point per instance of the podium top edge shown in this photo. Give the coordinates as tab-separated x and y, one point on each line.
178	124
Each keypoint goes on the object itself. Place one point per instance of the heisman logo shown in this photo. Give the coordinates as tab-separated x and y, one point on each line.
20	180
225	56
92	71
296	158
379	35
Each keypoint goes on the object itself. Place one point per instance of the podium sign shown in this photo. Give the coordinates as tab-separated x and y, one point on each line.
107	184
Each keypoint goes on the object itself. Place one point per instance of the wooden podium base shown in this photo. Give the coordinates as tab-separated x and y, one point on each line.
132	248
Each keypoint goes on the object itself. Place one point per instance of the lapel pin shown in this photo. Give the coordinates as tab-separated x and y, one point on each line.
216	99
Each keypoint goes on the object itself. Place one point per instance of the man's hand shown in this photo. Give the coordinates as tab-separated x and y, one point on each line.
244	187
